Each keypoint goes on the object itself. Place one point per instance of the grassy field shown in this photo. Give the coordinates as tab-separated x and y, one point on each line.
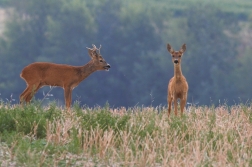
140	136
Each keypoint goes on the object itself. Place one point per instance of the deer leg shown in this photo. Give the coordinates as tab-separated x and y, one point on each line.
175	103
169	98
183	103
68	96
26	94
31	91
21	97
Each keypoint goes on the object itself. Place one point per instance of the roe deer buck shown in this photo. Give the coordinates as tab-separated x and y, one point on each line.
39	74
177	87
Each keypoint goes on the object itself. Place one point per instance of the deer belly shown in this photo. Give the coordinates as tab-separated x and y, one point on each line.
53	82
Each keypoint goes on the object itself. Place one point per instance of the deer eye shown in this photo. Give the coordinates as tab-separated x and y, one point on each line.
101	60
173	56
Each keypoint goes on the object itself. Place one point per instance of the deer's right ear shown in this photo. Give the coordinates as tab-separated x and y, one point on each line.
169	48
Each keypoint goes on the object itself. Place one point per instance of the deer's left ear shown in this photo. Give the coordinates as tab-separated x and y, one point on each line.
183	48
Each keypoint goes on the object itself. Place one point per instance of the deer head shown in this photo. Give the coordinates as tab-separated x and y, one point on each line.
98	61
176	55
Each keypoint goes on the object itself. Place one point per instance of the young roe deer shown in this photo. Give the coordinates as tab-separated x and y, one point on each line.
39	74
177	87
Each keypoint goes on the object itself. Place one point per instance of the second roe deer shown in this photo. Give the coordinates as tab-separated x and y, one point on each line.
39	74
177	87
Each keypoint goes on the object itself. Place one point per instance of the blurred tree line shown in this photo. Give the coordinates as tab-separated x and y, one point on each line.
133	35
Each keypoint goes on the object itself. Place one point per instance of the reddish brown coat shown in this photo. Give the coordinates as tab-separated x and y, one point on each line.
39	74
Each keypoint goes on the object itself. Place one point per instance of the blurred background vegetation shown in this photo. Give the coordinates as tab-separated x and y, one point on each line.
133	35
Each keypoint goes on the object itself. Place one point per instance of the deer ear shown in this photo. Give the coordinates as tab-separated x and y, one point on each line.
169	48
92	53
183	48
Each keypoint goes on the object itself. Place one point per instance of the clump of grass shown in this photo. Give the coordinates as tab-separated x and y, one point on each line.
139	136
29	119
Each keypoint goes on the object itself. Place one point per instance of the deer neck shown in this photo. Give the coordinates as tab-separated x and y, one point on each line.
177	71
87	69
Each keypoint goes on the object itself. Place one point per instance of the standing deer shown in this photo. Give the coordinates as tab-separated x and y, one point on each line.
39	74
177	87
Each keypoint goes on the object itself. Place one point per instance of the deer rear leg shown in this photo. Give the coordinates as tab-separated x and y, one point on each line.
21	97
29	92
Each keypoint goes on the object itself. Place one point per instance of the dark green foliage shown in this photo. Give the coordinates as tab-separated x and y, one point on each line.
4	2
7	123
211	57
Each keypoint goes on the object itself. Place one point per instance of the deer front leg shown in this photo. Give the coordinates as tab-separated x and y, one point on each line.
68	96
183	102
175	103
169	99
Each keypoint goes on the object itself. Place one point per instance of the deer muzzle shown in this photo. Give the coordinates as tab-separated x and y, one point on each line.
176	61
107	67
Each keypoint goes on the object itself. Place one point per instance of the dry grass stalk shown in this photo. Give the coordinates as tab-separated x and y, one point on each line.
58	131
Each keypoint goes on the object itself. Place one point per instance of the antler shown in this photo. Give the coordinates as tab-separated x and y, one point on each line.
99	49
95	48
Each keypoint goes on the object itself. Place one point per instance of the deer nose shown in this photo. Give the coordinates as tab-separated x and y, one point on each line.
107	67
175	61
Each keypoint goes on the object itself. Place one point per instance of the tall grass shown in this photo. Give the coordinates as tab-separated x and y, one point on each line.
139	136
